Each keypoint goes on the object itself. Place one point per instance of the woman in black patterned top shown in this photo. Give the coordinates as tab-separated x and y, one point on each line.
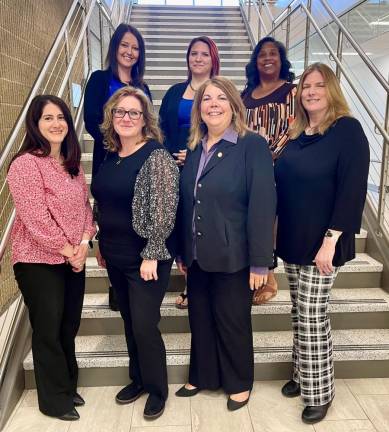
269	100
136	212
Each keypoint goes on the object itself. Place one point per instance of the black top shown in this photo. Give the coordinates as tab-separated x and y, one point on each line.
321	183
236	231
96	95
115	197
176	138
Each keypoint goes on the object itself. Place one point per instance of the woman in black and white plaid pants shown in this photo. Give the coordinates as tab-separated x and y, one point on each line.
321	178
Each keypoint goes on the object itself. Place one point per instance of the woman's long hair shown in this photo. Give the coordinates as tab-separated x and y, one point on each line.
150	131
213	52
198	128
252	74
337	105
138	70
36	144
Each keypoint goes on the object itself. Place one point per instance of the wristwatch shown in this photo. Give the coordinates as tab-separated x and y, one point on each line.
329	233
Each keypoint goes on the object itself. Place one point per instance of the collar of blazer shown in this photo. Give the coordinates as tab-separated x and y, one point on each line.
223	149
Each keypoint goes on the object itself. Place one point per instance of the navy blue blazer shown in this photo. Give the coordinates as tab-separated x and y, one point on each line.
234	209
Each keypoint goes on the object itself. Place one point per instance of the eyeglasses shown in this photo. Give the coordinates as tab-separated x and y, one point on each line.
120	113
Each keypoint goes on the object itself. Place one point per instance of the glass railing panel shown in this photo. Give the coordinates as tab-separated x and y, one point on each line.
368	20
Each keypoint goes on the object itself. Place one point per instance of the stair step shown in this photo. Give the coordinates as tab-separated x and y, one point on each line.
202	18
362	272
189	25
352	308
178	45
103	359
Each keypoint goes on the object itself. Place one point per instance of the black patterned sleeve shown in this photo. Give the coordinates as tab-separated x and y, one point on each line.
155	203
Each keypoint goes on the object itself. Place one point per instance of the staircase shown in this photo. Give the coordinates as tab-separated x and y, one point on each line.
359	307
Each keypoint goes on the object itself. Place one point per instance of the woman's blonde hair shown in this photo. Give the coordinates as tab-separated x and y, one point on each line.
199	128
337	105
150	130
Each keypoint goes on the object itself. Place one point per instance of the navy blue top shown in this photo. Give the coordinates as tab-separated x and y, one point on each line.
321	184
184	112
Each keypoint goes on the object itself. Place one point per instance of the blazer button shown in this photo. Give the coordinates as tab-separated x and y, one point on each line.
199	234
198	217
199	185
198	202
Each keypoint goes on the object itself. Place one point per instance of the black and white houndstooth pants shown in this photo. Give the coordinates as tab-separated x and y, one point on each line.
313	365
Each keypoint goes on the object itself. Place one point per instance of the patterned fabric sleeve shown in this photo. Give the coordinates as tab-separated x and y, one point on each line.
28	193
155	203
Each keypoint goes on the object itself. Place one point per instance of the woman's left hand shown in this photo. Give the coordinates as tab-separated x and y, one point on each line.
324	257
257	281
77	261
148	270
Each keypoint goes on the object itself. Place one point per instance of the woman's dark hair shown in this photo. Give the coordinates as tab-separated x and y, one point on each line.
138	70
252	74
36	144
213	52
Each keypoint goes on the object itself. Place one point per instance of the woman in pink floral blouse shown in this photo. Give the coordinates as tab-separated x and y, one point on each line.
50	237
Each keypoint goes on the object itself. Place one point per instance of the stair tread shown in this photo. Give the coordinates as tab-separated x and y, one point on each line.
342	301
269	347
362	263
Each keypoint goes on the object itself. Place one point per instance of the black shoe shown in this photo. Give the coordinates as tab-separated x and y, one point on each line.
154	407
291	389
233	405
184	392
70	416
113	304
78	400
314	414
129	394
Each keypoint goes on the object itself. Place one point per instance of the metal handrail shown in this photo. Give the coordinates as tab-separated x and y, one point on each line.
345	73
35	88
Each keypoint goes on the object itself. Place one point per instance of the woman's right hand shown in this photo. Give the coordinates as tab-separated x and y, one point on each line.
100	259
180	157
181	267
67	251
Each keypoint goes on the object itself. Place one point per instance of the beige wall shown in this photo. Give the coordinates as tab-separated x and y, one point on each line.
27	31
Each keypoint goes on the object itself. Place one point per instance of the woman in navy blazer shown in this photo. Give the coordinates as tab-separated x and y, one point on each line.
225	239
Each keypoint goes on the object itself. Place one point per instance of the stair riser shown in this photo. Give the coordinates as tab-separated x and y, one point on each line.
225	59
360	246
191	33
178	24
177	283
265	322
141	20
118	376
238	81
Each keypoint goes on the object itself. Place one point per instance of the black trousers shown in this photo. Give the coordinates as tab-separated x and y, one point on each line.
139	303
54	296
220	321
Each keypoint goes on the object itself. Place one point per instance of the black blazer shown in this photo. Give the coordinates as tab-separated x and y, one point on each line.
234	208
175	138
96	95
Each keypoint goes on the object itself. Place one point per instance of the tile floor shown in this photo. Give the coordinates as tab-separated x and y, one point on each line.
360	405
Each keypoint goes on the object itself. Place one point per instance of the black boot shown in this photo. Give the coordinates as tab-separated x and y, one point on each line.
154	408
113	304
314	414
291	389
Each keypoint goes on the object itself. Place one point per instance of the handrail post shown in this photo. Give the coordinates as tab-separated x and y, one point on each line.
307	34
249	13
260	5
339	50
383	189
287	39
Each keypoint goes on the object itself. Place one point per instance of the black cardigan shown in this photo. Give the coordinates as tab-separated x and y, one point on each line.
175	138
234	210
96	95
321	184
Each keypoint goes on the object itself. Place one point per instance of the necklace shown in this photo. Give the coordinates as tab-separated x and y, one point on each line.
190	85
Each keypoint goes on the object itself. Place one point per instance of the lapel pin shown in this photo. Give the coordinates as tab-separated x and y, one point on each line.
220	154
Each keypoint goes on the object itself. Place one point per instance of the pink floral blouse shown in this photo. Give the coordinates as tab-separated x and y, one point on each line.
52	208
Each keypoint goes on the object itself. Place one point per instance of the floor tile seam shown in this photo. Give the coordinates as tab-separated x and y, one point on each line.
366	411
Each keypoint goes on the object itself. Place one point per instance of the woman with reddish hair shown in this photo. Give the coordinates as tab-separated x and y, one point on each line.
202	59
